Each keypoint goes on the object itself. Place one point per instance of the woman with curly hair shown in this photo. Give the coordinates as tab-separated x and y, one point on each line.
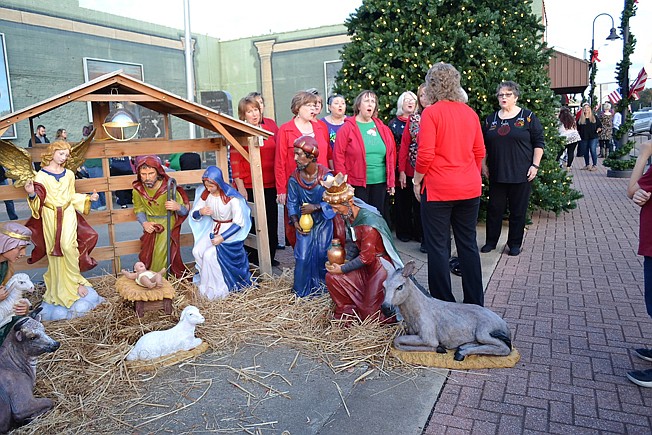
448	183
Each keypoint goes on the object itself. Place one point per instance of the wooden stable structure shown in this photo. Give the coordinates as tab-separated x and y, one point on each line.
118	87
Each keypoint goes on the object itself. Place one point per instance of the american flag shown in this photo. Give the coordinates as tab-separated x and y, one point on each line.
639	83
615	97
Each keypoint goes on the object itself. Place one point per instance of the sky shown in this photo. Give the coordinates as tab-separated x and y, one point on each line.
570	23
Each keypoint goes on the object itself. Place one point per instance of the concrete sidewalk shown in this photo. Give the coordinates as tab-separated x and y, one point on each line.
574	299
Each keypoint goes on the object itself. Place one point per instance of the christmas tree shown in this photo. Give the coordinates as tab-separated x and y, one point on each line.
393	44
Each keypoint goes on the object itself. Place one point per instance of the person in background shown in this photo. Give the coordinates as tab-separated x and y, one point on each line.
448	183
334	121
249	111
9	204
589	128
514	140
39	136
405	106
606	134
320	102
303	106
639	190
266	123
568	130
365	151
616	123
408	218
121	166
62	134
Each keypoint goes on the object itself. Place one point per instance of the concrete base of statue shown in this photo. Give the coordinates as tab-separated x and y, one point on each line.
80	307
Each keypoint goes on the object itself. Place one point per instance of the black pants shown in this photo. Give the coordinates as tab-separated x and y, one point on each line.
438	217
518	195
408	213
271	212
124	197
374	195
570	153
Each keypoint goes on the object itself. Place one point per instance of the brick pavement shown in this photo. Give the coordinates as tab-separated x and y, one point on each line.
574	301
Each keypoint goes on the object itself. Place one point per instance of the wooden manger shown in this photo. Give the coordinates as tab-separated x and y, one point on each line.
118	87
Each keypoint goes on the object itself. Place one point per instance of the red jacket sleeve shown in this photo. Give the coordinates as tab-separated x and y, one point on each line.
339	149
404	149
390	157
479	149
426	140
280	161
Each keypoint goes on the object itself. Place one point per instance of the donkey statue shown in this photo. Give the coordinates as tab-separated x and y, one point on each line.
435	326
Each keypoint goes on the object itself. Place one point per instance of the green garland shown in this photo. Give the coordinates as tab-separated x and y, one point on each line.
620	159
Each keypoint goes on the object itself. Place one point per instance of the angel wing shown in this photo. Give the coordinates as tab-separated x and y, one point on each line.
17	162
78	153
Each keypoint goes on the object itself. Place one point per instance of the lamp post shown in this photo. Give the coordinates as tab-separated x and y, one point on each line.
613	35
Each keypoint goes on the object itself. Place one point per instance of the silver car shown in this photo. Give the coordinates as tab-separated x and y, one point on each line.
642	122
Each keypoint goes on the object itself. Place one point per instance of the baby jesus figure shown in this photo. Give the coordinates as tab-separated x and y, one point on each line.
143	277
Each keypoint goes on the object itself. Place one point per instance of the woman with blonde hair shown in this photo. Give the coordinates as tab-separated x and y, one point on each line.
589	128
448	183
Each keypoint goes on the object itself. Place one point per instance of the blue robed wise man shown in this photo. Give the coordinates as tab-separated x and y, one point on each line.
311	217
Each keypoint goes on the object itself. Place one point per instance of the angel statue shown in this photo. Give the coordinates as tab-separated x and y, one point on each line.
58	227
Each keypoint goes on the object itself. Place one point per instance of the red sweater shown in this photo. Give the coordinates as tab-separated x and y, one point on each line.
269	125
284	164
349	156
404	151
451	150
241	168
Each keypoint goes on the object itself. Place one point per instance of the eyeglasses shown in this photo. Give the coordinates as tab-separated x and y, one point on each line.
311	106
507	95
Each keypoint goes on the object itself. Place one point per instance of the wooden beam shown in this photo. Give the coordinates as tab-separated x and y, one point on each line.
232	141
116	97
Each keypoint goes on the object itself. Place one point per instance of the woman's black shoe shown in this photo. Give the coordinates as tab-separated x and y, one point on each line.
514	251
487	248
403	238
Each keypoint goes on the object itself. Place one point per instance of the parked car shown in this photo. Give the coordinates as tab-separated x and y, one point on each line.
642	122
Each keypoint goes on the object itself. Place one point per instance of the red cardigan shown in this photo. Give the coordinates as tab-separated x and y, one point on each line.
269	125
349	156
284	164
241	168
451	149
404	152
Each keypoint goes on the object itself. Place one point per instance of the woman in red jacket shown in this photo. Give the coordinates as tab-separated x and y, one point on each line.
303	106
448	183
365	150
249	111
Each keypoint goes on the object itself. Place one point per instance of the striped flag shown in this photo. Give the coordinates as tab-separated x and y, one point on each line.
639	83
615	97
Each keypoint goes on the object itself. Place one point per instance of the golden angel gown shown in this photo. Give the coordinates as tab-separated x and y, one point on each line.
63	276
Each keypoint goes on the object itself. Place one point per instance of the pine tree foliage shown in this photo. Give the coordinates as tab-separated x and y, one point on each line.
620	159
488	41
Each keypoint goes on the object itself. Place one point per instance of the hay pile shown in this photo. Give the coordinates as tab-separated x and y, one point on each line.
88	379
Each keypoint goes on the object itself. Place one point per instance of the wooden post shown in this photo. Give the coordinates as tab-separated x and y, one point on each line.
264	259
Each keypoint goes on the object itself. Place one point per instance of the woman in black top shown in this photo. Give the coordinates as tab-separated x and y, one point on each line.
588	126
514	140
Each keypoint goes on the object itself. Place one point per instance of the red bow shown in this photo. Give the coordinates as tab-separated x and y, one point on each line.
594	56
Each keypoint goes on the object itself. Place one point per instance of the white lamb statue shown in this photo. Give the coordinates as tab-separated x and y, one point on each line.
15	287
156	344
